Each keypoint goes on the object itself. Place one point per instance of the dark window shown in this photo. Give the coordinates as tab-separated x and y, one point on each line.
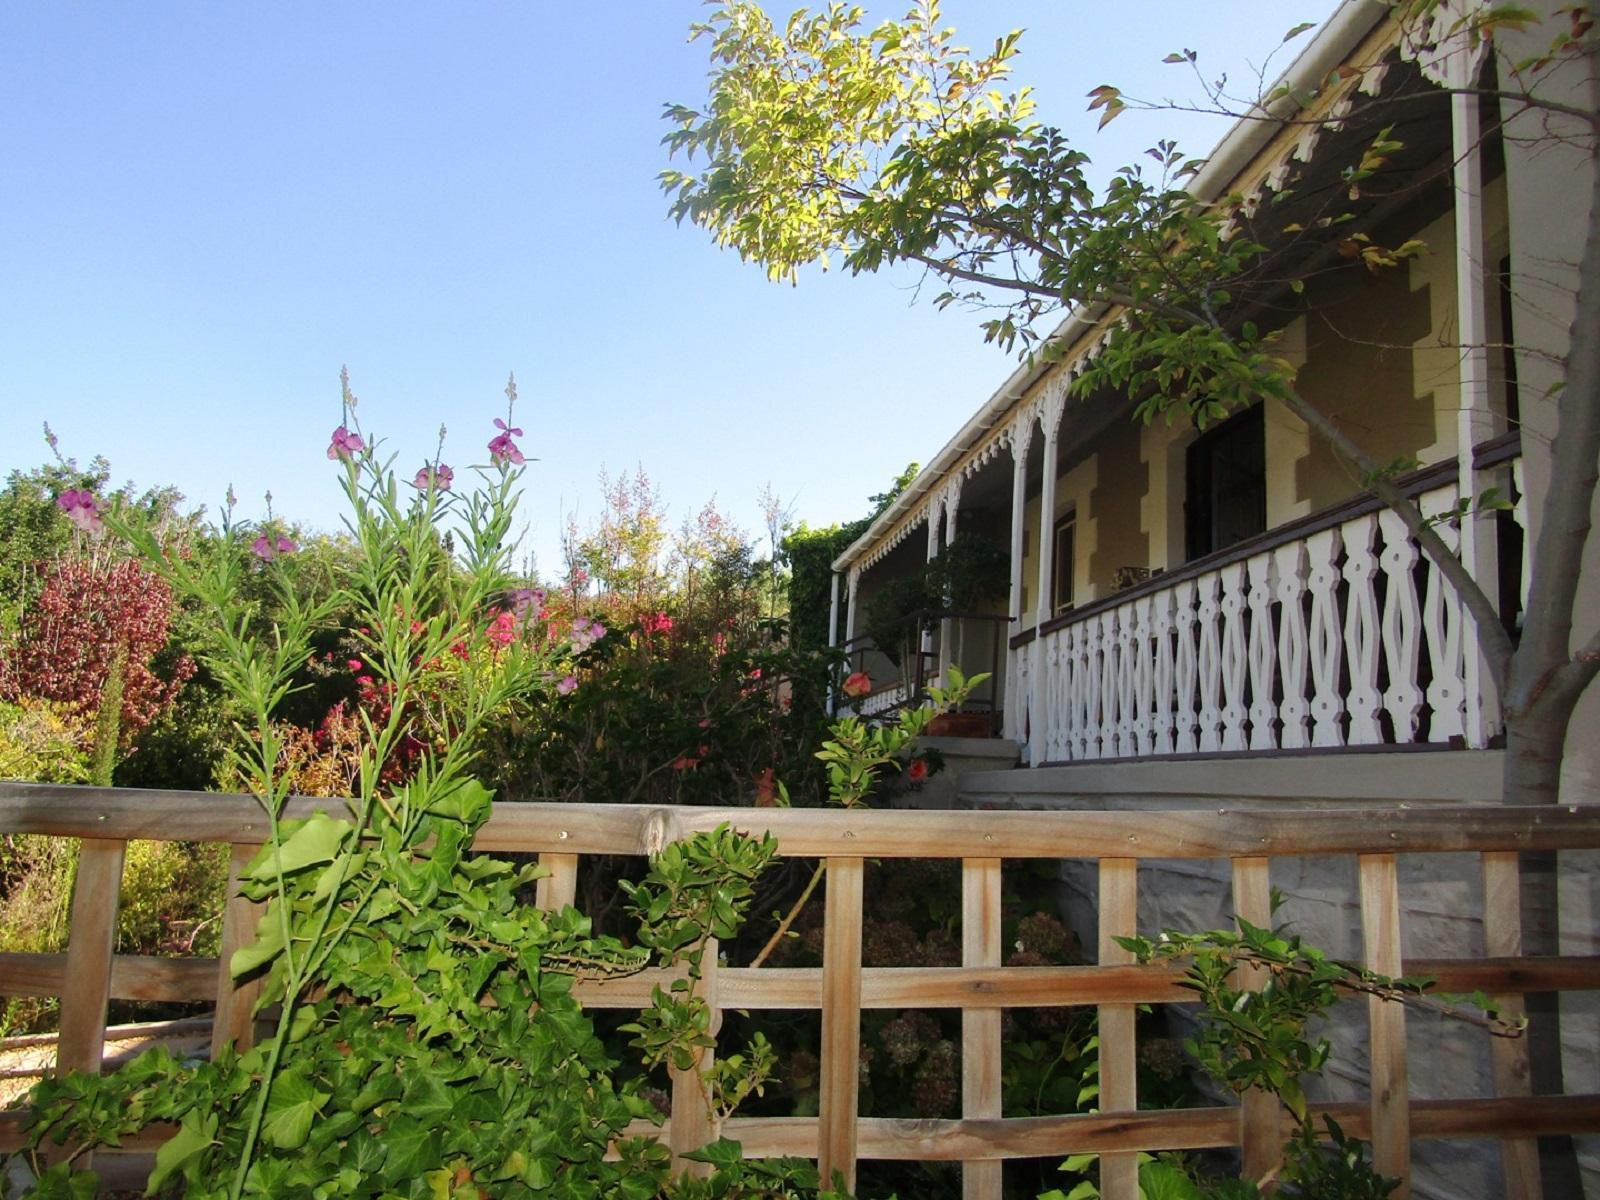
1227	488
1061	591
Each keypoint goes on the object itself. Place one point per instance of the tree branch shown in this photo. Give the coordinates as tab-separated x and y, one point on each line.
1493	639
1564	520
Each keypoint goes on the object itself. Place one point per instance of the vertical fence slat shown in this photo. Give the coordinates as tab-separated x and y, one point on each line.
1502	937
1261	1145
234	1020
1119	916
91	941
841	1022
559	888
980	1027
1386	1021
693	1125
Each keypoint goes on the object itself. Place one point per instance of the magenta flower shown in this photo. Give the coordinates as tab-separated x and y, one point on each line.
344	443
267	548
82	508
438	478
567	686
501	448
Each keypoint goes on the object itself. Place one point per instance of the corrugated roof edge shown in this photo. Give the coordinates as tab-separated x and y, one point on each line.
1339	35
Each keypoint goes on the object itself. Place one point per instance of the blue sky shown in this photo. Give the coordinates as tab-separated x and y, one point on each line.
206	209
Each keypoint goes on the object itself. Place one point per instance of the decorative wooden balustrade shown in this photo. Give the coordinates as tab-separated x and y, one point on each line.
1331	631
982	1139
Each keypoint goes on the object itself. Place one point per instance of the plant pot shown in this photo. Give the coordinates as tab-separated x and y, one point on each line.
966	724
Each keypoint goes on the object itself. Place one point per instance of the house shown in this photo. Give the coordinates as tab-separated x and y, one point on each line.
1233	592
1223	615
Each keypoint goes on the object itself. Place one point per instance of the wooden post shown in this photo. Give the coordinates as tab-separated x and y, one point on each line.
1502	938
559	888
1386	1021
1119	917
693	1124
1260	1141
980	1027
841	1022
235	1017
91	940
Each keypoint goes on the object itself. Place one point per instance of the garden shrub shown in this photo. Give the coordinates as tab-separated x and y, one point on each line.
417	992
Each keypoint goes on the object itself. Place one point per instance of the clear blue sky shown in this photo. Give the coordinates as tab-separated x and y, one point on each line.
206	209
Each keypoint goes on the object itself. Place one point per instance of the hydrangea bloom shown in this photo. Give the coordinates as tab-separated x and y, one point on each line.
344	443
501	448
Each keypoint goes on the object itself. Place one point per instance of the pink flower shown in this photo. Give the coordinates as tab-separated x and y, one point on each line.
501	448
355	664
858	684
82	508
437	478
503	629
344	443
656	623
267	548
567	686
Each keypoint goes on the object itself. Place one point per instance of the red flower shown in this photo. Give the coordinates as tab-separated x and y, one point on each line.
857	684
917	770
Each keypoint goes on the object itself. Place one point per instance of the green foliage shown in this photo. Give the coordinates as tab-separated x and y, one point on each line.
43	741
810	554
964	575
1258	1035
417	991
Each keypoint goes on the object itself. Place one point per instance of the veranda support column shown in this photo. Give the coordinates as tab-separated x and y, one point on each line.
1021	437
1050	418
1475	421
833	632
950	630
935	508
853	580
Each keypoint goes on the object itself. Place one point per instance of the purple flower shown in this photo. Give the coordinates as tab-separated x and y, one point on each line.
267	548
567	686
344	443
82	508
439	478
586	633
501	448
528	600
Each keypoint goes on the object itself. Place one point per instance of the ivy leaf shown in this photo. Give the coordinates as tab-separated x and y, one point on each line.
292	1106
196	1132
316	840
267	946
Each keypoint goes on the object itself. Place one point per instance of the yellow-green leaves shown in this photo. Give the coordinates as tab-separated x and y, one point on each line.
305	844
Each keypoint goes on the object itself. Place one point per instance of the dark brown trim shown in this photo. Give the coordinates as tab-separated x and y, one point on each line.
1497	450
1023	638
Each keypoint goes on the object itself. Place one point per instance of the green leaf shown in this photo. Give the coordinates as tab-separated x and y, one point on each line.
196	1132
291	1107
267	946
316	840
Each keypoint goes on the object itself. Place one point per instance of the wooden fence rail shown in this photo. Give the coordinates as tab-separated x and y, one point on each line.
90	973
